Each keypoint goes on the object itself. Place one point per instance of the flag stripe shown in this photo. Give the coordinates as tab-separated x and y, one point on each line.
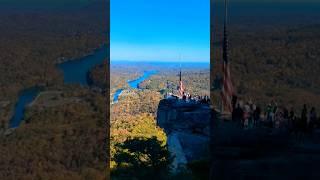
181	88
227	87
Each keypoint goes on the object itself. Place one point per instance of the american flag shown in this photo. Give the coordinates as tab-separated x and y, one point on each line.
181	86
227	87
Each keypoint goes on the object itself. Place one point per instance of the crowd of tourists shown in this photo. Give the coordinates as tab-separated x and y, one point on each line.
249	115
187	97
200	99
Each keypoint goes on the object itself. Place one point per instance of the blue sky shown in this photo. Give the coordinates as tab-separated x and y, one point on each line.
160	30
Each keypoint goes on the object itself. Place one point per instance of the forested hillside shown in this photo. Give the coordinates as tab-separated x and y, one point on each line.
33	41
61	138
63	132
280	63
138	144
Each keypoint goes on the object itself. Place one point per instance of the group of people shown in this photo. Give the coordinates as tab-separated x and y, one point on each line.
188	98
200	99
248	115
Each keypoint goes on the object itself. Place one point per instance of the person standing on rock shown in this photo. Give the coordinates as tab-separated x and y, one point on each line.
304	119
291	121
279	119
246	115
184	97
274	112
269	115
251	114
237	115
312	119
256	116
234	101
286	116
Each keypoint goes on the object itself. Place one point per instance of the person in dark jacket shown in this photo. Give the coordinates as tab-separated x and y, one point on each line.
304	119
269	115
256	116
238	115
234	101
286	116
313	119
291	120
285	113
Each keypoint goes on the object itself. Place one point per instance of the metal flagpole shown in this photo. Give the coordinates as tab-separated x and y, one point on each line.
180	79
180	67
225	42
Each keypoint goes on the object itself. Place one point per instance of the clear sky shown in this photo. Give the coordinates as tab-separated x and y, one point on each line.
160	30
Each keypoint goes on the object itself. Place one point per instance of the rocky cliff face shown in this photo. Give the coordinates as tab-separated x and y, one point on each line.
186	123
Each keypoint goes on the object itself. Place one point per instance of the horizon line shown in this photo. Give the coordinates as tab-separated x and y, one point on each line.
159	61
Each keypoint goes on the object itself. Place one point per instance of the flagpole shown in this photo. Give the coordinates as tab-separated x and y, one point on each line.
180	66
180	75
225	43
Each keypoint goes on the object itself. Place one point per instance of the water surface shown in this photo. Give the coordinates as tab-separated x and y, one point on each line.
134	84
116	95
76	71
25	98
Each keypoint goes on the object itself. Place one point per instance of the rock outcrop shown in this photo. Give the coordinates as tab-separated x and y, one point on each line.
186	124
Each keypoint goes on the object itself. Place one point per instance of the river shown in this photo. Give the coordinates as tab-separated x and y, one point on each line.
25	98
134	84
74	72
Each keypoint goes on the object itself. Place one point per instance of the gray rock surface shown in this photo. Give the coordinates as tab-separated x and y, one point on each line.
186	124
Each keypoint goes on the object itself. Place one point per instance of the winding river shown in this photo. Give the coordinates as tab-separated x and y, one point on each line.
134	84
25	98
74	72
